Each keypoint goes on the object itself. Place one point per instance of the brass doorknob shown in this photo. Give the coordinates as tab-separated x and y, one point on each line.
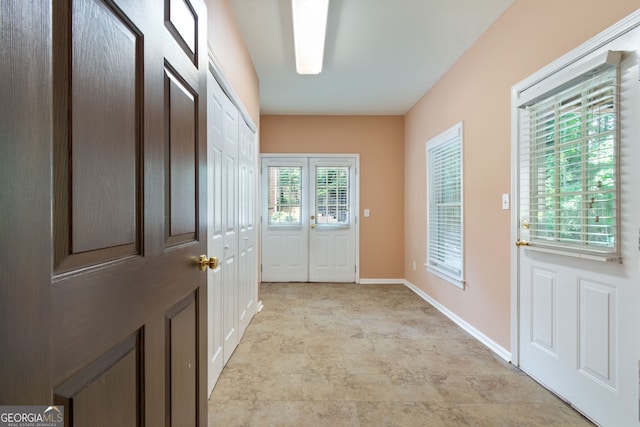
522	243
203	262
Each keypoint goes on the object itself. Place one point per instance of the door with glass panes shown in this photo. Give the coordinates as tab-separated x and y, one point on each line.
577	228
309	218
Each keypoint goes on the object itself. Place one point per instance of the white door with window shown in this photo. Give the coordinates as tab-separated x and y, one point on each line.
578	260
309	218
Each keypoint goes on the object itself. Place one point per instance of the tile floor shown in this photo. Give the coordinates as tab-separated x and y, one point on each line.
370	355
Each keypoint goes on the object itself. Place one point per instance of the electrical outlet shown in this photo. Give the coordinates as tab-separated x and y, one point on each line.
414	265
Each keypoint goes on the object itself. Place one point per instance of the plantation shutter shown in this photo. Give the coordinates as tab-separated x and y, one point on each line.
569	160
444	210
285	190
332	195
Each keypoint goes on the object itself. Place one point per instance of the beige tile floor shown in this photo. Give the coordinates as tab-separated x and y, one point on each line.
370	355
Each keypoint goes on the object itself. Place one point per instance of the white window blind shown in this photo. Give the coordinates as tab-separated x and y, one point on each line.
569	151
332	195
445	205
285	189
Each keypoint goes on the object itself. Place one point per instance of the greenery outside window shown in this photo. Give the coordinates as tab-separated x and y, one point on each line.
332	195
285	189
572	156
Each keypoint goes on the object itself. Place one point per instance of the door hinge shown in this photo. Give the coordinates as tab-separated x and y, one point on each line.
355	268
260	268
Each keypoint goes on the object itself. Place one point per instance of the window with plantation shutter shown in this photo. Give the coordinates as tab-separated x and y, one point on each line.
444	206
285	190
569	162
332	195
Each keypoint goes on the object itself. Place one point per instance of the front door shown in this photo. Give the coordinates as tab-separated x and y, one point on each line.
126	308
578	256
309	219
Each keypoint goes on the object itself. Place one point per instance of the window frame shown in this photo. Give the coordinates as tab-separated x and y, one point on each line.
564	82
342	209
278	205
452	139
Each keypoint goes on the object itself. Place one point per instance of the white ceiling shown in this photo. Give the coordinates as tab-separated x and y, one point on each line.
381	56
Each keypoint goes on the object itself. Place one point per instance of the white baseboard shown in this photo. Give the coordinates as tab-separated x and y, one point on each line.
382	281
493	346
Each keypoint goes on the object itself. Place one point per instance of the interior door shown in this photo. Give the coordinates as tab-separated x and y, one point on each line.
309	219
215	240
232	285
126	314
224	142
578	314
247	250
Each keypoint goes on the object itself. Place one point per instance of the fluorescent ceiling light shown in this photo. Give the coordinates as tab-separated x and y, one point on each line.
309	28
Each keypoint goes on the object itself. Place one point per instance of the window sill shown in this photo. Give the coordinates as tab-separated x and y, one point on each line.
582	255
459	283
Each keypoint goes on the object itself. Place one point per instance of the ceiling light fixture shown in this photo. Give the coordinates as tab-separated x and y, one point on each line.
309	29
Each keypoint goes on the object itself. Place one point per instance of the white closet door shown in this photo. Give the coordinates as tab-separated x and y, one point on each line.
215	238
248	256
233	285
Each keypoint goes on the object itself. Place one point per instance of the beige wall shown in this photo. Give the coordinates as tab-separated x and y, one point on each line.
227	46
379	141
476	90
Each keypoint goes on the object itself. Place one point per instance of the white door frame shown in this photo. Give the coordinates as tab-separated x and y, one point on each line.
356	189
625	25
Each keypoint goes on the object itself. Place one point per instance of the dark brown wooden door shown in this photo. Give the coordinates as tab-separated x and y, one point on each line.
122	129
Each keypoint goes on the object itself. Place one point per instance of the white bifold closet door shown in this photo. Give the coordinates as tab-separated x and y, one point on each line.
231	206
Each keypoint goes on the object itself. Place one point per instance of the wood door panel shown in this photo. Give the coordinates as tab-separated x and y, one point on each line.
88	168
182	22
109	391
98	308
181	121
105	138
25	201
98	135
182	362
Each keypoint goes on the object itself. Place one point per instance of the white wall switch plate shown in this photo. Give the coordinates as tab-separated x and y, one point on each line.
367	213
505	201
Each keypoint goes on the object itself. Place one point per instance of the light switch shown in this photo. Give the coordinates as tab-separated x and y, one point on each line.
505	201
366	213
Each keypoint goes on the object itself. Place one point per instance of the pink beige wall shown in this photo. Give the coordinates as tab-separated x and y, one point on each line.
379	141
476	90
227	46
